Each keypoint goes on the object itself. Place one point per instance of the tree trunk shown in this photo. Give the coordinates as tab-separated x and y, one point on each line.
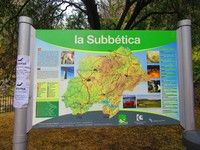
92	13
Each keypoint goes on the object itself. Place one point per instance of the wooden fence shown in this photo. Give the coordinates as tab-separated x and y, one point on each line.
6	104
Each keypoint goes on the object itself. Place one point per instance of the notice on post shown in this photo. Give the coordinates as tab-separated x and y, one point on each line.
21	95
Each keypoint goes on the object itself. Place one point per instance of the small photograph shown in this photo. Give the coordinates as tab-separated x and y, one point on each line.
67	57
153	56
148	103
154	86
129	101
67	72
153	71
39	49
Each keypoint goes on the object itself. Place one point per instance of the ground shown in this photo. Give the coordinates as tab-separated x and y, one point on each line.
107	138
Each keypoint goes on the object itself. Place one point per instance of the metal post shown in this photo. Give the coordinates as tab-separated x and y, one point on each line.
20	135
186	56
181	78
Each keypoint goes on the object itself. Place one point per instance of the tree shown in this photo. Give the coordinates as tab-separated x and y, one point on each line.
91	14
45	15
77	20
7	44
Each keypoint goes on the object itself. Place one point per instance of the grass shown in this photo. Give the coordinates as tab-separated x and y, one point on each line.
107	138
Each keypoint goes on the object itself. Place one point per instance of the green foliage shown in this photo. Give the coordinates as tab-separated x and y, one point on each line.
77	20
7	45
47	14
196	63
183	10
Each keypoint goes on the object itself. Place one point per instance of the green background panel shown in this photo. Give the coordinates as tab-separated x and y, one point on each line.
46	109
65	39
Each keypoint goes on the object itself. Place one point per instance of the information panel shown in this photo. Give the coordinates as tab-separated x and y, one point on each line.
105	78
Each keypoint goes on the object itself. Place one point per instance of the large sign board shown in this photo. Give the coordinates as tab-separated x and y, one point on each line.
104	78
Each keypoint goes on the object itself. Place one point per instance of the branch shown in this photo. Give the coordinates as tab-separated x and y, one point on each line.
27	1
178	9
54	16
123	16
16	15
62	11
138	8
92	13
75	5
149	15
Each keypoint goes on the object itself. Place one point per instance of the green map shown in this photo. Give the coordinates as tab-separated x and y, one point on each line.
103	79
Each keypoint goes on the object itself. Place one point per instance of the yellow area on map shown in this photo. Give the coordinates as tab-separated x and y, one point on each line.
103	79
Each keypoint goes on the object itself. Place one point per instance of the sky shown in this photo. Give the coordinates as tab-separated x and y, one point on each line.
69	9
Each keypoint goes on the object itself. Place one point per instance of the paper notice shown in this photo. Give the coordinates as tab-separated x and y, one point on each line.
23	66
21	95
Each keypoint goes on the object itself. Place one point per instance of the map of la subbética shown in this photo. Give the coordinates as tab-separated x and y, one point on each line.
103	79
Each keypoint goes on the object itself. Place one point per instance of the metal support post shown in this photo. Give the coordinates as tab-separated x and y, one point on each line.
20	135
191	137
185	49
